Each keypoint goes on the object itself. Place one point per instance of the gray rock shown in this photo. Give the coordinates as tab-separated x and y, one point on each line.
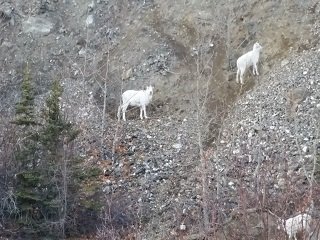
177	145
284	62
37	25
89	20
107	189
140	170
6	10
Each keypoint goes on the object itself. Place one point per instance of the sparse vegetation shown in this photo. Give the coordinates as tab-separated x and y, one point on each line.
44	195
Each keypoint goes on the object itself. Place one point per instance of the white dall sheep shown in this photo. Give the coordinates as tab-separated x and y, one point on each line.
135	98
249	59
292	226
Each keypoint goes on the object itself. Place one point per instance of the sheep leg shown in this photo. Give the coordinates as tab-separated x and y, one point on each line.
238	73
255	69
119	110
241	77
141	109
145	112
124	109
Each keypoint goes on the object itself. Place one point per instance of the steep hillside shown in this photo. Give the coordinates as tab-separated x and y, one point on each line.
203	126
270	145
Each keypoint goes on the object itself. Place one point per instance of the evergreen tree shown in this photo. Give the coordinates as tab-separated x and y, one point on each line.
41	183
56	133
25	107
54	124
28	176
48	176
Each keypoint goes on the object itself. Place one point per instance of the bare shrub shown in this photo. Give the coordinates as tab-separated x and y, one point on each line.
117	219
8	202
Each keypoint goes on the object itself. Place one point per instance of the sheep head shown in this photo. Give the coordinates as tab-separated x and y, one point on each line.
149	91
257	46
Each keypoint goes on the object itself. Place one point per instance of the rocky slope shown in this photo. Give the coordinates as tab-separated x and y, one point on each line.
270	141
99	47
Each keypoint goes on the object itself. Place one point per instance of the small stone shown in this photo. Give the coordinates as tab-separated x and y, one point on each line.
236	151
297	95
183	227
172	232
82	51
250	134
107	189
106	172
284	62
91	6
177	146
6	10
89	20
7	44
140	170
108	182
37	25
127	74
